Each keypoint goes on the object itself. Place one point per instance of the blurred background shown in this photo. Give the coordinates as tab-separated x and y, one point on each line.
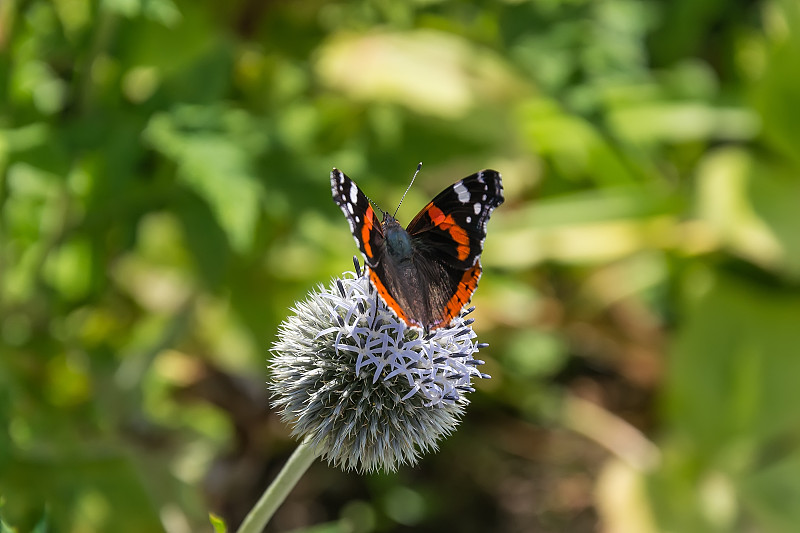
165	199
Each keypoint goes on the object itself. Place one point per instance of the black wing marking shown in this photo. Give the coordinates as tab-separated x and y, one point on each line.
364	225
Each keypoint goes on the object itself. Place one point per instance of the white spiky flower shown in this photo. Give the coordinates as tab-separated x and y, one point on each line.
361	387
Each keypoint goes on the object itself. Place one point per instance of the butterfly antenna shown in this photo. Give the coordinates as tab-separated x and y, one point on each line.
383	213
419	167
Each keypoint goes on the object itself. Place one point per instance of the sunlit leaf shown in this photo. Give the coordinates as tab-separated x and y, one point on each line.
218	523
725	205
427	71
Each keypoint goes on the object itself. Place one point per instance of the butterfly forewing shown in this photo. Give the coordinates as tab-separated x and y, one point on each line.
364	225
454	223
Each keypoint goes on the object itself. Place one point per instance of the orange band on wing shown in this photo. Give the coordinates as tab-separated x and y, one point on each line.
466	287
366	229
448	224
390	302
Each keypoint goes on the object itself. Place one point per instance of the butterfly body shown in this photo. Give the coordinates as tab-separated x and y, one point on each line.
398	242
428	271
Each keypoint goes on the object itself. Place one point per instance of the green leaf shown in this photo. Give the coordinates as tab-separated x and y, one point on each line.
733	368
69	269
779	84
774	190
731	398
5	528
218	523
202	141
772	494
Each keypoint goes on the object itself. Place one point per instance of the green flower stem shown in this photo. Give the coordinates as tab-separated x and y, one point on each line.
273	497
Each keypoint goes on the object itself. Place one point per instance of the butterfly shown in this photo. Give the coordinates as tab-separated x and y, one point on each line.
428	271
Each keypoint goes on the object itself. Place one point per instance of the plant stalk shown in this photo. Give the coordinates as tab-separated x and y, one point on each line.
273	497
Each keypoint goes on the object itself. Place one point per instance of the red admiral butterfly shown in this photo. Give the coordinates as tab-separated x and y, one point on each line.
427	272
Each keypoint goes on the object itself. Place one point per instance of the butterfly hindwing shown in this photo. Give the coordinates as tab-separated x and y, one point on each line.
430	294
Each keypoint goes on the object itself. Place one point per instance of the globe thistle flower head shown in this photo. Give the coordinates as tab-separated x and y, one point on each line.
367	391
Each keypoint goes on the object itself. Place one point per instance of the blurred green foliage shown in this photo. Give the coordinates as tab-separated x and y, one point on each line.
164	199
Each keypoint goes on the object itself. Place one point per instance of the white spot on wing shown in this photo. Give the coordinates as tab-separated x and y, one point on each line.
353	193
350	208
462	192
469	220
477	208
